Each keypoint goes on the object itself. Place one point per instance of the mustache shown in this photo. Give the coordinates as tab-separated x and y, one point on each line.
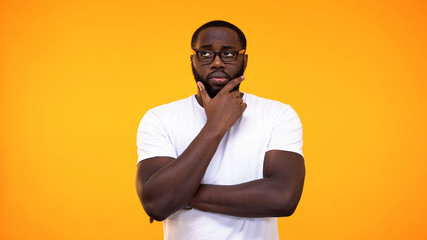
218	71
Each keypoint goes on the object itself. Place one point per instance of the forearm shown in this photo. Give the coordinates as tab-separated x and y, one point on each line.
265	197
169	185
172	186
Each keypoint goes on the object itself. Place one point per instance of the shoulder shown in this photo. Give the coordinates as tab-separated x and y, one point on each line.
166	113
172	108
272	108
264	102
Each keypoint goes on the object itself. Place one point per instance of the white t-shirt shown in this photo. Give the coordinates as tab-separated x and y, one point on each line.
167	130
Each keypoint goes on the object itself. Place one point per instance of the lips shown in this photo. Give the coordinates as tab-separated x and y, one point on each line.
218	78
219	81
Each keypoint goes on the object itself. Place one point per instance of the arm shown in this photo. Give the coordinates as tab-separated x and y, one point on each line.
165	185
276	195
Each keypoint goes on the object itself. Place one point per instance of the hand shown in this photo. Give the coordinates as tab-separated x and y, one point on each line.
225	108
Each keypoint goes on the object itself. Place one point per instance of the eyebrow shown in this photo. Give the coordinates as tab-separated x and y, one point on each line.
206	46
223	47
228	47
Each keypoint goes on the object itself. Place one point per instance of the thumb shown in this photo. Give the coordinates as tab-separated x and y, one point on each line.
205	97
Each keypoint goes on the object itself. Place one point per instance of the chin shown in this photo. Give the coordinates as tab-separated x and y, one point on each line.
218	87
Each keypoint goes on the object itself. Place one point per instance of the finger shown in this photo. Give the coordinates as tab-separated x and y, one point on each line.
239	100
231	84
244	105
235	94
205	97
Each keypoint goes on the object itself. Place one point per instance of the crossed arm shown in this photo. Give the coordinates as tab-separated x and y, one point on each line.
166	185
275	195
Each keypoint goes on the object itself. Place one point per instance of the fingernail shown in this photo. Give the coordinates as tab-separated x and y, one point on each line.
243	77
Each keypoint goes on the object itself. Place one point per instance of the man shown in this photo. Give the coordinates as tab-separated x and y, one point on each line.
222	164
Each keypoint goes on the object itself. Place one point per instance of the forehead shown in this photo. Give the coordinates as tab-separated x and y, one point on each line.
218	37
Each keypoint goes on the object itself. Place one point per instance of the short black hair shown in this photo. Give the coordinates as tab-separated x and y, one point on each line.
219	23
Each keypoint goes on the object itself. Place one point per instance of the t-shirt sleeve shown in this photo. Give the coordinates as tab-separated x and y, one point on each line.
286	132
153	139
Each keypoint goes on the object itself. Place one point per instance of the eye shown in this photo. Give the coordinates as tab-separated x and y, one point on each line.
205	53
228	54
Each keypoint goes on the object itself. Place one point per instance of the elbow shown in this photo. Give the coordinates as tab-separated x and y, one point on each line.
286	206
286	211
155	209
153	205
154	212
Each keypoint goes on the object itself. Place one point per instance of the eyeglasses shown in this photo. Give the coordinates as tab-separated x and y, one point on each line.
225	56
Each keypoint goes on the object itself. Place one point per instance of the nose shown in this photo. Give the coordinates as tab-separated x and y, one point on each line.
217	62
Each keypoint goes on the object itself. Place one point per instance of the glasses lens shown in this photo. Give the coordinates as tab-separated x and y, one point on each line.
228	56
205	56
208	56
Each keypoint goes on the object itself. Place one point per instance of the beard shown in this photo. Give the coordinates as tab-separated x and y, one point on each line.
209	89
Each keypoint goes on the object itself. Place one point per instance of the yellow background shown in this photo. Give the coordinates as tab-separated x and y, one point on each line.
77	76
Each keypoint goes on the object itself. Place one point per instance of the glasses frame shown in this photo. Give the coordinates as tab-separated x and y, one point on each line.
239	52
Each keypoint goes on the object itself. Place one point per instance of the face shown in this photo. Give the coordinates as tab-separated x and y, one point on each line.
216	74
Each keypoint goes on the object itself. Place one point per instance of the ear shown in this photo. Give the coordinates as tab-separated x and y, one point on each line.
245	61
